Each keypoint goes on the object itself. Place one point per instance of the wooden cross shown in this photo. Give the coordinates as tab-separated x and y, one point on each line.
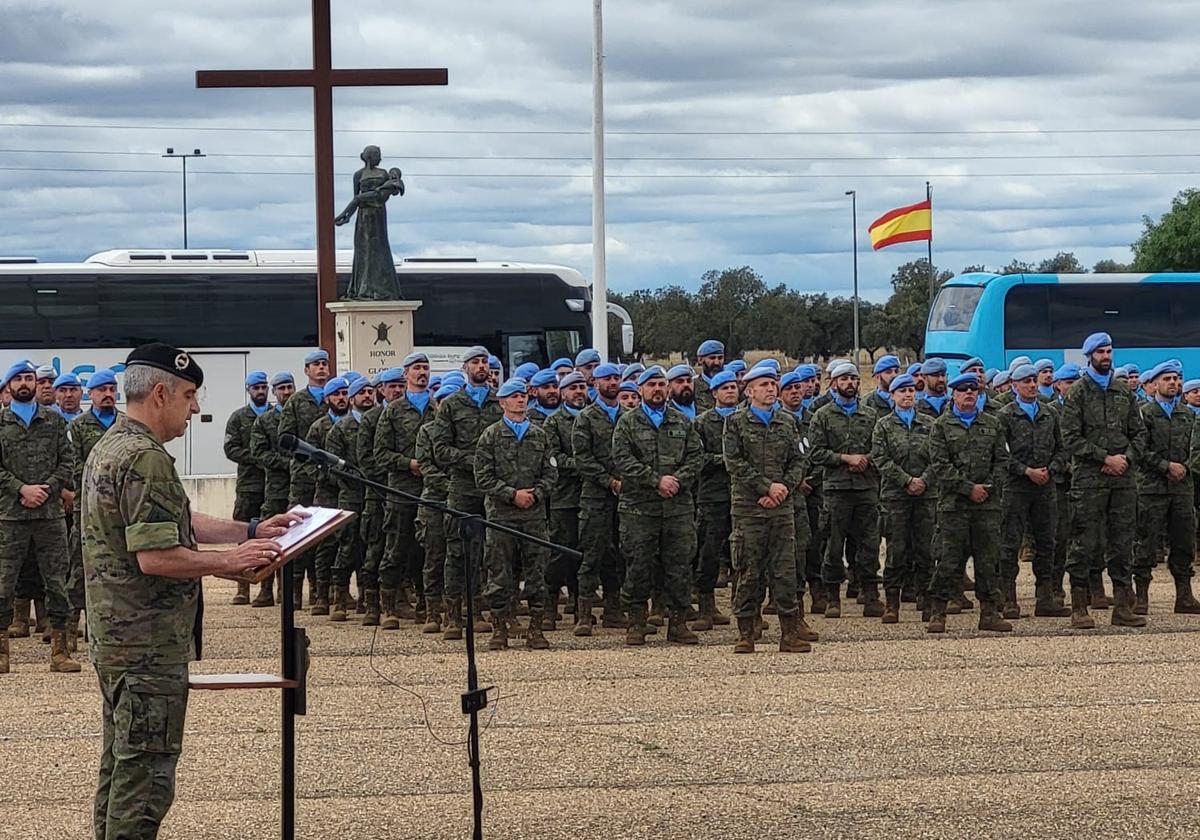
322	78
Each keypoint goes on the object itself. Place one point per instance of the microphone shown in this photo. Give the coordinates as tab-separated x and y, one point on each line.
305	452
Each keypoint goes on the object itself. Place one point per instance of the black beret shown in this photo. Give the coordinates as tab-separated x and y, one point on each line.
168	358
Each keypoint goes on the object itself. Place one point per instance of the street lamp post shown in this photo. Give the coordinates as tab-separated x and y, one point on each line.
183	158
854	231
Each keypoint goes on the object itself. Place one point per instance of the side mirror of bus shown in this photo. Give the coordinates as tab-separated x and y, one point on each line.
627	339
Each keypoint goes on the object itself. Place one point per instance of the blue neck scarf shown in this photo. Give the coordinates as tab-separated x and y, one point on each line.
518	429
849	407
592	393
1100	380
356	414
574	412
1030	408
418	400
1140	393
106	418
982	403
477	393
1046	390
937	403
24	411
1195	409
765	414
689	411
725	412
807	403
68	416
907	415
1168	407
656	415
610	410
547	412
278	407
336	418
967	419
260	410
318	393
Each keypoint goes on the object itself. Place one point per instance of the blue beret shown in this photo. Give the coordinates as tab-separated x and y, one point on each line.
563	362
844	369
1023	372
628	386
526	371
391	375
807	372
605	370
1043	364
282	377
434	382
1018	361
454	377
652	372
256	377
631	371
933	366
338	383
736	366
679	371
358	384
1121	371
316	356
902	381
67	379
723	377
414	358
1149	374
512	387
710	347
771	363
760	371
1068	371
621	368
587	356
963	379
1000	378
446	390
1191	385
104	376
974	361
1132	370
914	369
23	366
351	375
1095	341
886	363
46	372
990	374
572	378
788	379
474	353
1169	366
543	378
494	363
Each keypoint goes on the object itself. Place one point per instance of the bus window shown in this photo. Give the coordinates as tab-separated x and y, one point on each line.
1137	315
520	349
1027	317
560	343
954	308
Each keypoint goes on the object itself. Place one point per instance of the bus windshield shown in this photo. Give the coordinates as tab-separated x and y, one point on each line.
954	308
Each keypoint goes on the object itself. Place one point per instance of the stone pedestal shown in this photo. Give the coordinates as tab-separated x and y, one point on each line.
372	335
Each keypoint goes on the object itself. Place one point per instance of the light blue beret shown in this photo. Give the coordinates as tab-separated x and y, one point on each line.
886	363
710	347
338	383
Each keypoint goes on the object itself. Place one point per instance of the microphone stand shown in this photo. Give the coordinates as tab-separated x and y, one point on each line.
473	526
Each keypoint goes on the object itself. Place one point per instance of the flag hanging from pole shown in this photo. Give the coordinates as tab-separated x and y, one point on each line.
913	223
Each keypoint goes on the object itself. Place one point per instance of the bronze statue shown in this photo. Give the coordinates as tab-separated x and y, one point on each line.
374	274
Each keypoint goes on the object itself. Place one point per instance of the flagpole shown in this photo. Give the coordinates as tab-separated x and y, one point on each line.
854	230
599	263
929	242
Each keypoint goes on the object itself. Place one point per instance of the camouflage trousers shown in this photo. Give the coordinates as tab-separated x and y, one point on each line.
1104	522
403	558
563	571
659	550
603	562
1173	516
966	534
458	552
853	516
431	534
47	538
1062	530
907	526
373	540
74	579
510	558
327	550
815	553
763	552
29	579
713	527
1030	513
246	506
143	713
804	536
351	548
306	563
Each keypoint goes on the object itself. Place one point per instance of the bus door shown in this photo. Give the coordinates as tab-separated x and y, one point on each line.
203	446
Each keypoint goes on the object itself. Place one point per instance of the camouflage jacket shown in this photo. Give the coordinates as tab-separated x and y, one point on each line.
878	403
714	477
250	478
924	406
803	418
456	429
538	417
435	484
704	396
565	495
326	489
133	501
276	465
364	456
504	465
964	456
833	433
40	454
1100	422
591	441
1167	439
1032	444
342	441
758	455
296	419
395	445
83	433
643	454
901	453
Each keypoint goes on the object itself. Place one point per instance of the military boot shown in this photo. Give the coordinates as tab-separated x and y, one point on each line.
1056	589
677	629
433	614
339	602
419	609
656	616
722	579
1141	597
360	606
583	617
964	603
243	594
1011	608
908	595
1046	606
708	603
534	640
937	616
499	639
872	608
925	605
891	615
1080	618
990	619
320	600
387	605
482	625
60	660
298	594
852	588
404	607
953	607
719	619
1185	601
371	603
789	639
745	642
74	631
833	606
803	631
1122	613
1100	600
453	630
611	616
4	652
968	585
635	631
266	594
820	598
41	624
19	628
770	608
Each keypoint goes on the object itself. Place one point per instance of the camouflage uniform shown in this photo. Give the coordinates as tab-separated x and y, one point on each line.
657	535
83	432
431	522
276	466
1165	507
1095	423
763	542
930	409
248	493
342	441
1063	512
1030	509
143	629
712	501
564	504
901	453
39	454
394	449
296	419
799	502
503	465
371	525
878	403
603	562
325	494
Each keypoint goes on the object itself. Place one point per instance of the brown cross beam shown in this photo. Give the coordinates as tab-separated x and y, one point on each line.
322	78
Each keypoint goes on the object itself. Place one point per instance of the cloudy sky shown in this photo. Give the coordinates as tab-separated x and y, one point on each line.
735	128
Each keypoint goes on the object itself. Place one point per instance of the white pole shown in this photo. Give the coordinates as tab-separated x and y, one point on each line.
599	280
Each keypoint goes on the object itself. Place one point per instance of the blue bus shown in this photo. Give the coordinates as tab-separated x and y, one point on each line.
1151	317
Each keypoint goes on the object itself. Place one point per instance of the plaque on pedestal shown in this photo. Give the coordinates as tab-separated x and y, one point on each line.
372	335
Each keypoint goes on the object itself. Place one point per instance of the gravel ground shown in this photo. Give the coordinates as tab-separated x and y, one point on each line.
880	732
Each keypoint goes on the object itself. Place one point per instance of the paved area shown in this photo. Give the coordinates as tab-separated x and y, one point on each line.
880	732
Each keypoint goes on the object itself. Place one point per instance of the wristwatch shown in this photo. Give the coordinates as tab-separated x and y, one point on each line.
251	528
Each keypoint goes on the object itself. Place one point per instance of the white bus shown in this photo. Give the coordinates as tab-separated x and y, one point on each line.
238	311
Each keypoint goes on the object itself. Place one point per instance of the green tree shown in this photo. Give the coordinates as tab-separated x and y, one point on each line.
1017	267
725	304
908	307
1110	267
1173	242
1064	262
974	269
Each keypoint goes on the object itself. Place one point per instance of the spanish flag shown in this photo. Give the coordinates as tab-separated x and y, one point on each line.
913	223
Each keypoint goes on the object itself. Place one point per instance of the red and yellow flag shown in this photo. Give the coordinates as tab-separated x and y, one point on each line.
913	223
